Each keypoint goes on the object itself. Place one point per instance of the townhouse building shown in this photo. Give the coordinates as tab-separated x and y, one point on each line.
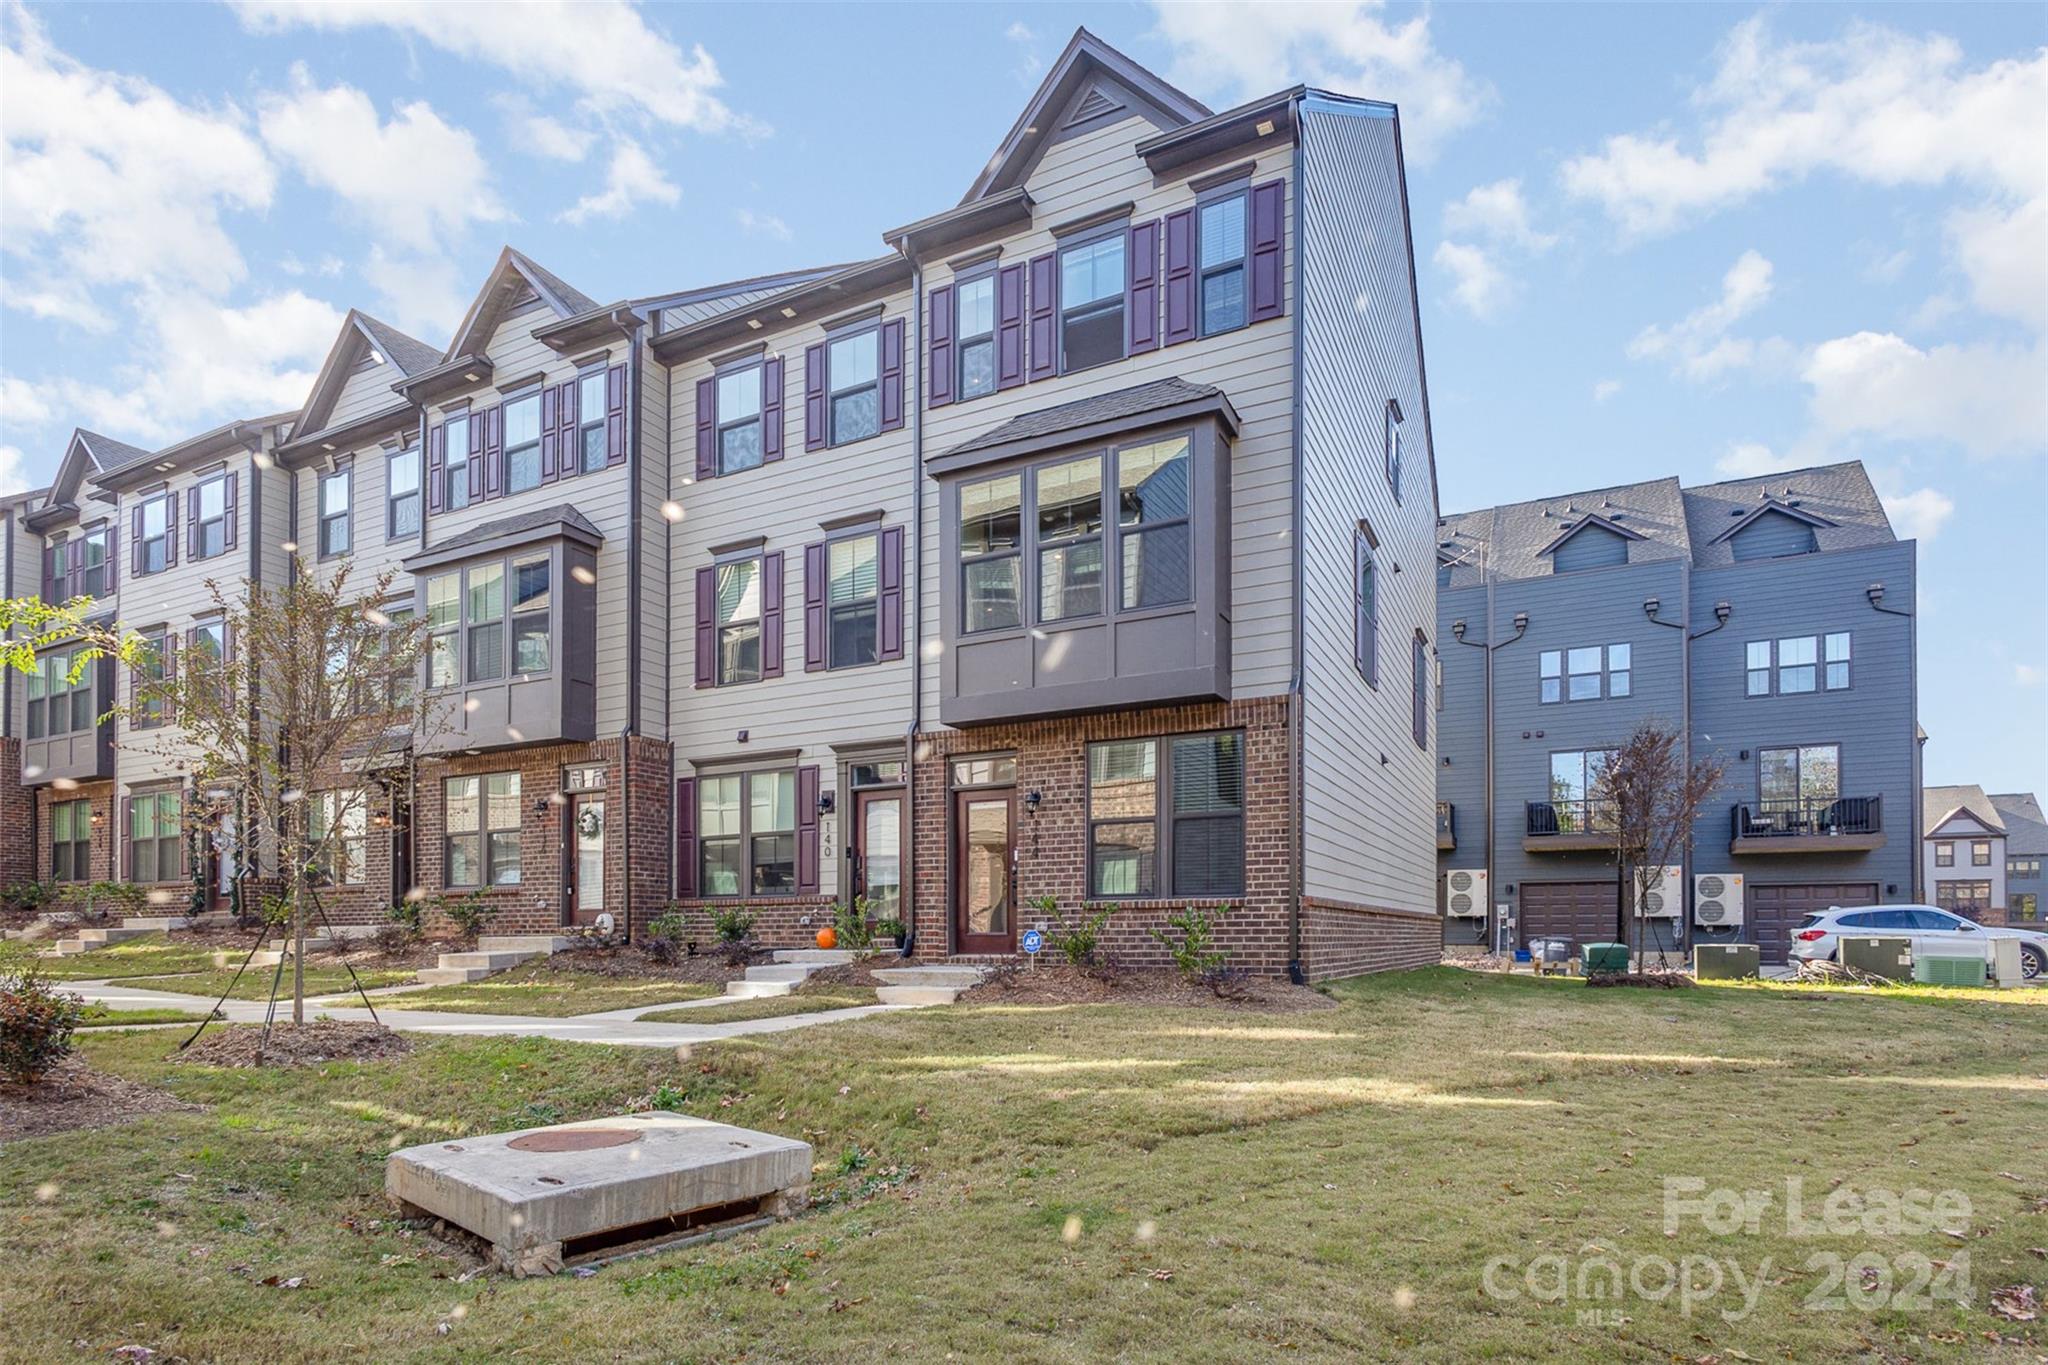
2026	846
1766	620
1072	546
1981	854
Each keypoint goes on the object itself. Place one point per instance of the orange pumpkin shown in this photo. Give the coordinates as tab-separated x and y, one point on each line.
828	938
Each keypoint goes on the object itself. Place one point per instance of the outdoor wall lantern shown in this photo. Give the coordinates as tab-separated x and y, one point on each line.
825	803
1031	800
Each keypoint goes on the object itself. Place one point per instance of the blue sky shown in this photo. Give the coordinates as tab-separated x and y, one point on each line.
1702	240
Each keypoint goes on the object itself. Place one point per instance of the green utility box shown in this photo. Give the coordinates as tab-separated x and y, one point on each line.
1949	971
1725	961
1603	959
1887	957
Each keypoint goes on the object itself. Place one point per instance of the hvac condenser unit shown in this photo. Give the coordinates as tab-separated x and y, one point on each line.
1659	894
1465	894
1717	899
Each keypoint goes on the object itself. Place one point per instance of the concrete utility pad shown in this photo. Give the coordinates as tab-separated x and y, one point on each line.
543	1197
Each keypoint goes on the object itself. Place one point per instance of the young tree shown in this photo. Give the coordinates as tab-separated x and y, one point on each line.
1649	794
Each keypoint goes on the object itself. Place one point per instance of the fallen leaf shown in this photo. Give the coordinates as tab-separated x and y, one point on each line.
2014	1303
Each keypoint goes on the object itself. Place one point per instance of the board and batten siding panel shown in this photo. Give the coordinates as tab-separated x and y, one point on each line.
1252	365
784	501
656	603
367	390
1369	792
1874	721
604	497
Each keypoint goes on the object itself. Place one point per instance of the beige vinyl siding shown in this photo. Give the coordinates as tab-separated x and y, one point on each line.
366	391
26	565
1368	791
274	486
1252	365
785	502
370	554
656	628
603	497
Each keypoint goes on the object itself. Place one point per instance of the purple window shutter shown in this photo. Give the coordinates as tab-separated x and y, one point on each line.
814	608
550	434
707	626
889	607
476	424
568	439
1010	326
170	707
807	831
707	428
686	836
615	415
892	375
771	615
230	500
127	861
938	370
113	554
184	837
193	547
771	410
814	398
437	464
1269	218
170	529
1045	313
135	540
49	589
1180	277
494	452
1141	288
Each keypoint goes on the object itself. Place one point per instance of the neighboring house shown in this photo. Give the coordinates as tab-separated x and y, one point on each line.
1766	619
2026	848
1074	546
1964	852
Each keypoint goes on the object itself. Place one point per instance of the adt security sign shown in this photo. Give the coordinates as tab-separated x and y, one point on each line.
1033	941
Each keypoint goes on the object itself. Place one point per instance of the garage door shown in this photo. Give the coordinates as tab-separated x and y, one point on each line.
1584	912
1774	912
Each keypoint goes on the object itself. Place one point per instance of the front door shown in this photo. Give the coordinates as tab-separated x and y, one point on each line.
878	852
220	848
983	824
586	859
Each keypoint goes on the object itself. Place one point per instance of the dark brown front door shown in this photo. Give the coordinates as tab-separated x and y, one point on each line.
984	824
1776	912
877	849
1584	912
585	872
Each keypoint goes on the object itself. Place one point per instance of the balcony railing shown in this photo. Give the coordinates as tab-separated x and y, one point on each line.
1583	817
1446	826
1858	817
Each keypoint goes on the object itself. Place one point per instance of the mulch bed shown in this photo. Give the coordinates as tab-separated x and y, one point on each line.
1654	980
1059	984
314	1044
73	1096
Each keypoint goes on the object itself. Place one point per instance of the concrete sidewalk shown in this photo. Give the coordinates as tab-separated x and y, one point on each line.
617	1027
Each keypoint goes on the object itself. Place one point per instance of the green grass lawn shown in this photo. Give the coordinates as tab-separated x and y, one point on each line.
1088	1183
769	1006
103	1016
149	955
255	983
535	988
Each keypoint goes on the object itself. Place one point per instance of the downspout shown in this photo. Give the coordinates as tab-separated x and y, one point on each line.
1684	628
914	396
1521	629
632	725
1875	595
1297	693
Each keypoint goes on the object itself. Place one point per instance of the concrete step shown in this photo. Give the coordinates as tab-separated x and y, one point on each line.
156	924
490	960
814	957
269	957
451	976
754	990
917	995
533	945
105	936
951	974
780	972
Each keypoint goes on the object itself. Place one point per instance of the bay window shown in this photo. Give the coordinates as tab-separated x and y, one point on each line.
1069	503
853	385
482	820
1166	817
58	704
746	826
1153	502
522	443
1092	302
444	611
483	623
739	419
991	539
530	593
974	330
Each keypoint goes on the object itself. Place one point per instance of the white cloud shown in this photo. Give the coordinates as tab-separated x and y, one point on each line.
415	180
1747	459
1987	398
1478	284
1874	105
762	225
1025	41
1500	212
633	178
23	404
1917	514
13	471
1242	51
106	180
2026	675
605	53
1605	389
1698	346
542	135
1884	268
2005	257
423	295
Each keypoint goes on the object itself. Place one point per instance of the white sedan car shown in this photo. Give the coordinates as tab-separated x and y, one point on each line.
1934	932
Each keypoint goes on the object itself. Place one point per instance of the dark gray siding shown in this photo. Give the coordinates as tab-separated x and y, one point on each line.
1461	741
1596	547
1772	534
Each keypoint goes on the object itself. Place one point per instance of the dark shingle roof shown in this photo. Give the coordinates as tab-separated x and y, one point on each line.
556	515
573	298
1121	405
108	453
2026	829
1839	495
409	354
1938	803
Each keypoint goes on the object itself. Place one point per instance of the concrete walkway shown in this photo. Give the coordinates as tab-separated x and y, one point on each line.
618	1027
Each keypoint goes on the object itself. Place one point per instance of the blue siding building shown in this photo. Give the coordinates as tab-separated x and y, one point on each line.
1769	620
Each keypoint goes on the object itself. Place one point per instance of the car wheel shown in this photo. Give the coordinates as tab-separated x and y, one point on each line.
2033	962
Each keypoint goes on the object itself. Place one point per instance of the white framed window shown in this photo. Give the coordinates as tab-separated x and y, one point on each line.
402	493
1836	657
739	419
853	385
590	418
1092	302
210	532
334	513
522	443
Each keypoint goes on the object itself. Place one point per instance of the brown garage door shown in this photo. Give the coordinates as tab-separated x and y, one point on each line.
1584	912
1774	912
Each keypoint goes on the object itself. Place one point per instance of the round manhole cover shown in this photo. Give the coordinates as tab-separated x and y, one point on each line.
573	1139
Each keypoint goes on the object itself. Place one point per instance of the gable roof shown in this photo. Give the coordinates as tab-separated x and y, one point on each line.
1590	519
85	454
500	286
1837	501
360	333
2026	828
1772	507
1067	101
1939	805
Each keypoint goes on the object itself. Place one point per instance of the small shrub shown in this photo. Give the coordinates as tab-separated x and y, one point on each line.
663	939
889	928
734	924
1190	936
851	922
27	898
404	925
469	914
36	1023
98	902
1078	940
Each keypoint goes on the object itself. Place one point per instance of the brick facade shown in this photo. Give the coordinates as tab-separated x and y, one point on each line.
17	829
104	832
1349	940
779	921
